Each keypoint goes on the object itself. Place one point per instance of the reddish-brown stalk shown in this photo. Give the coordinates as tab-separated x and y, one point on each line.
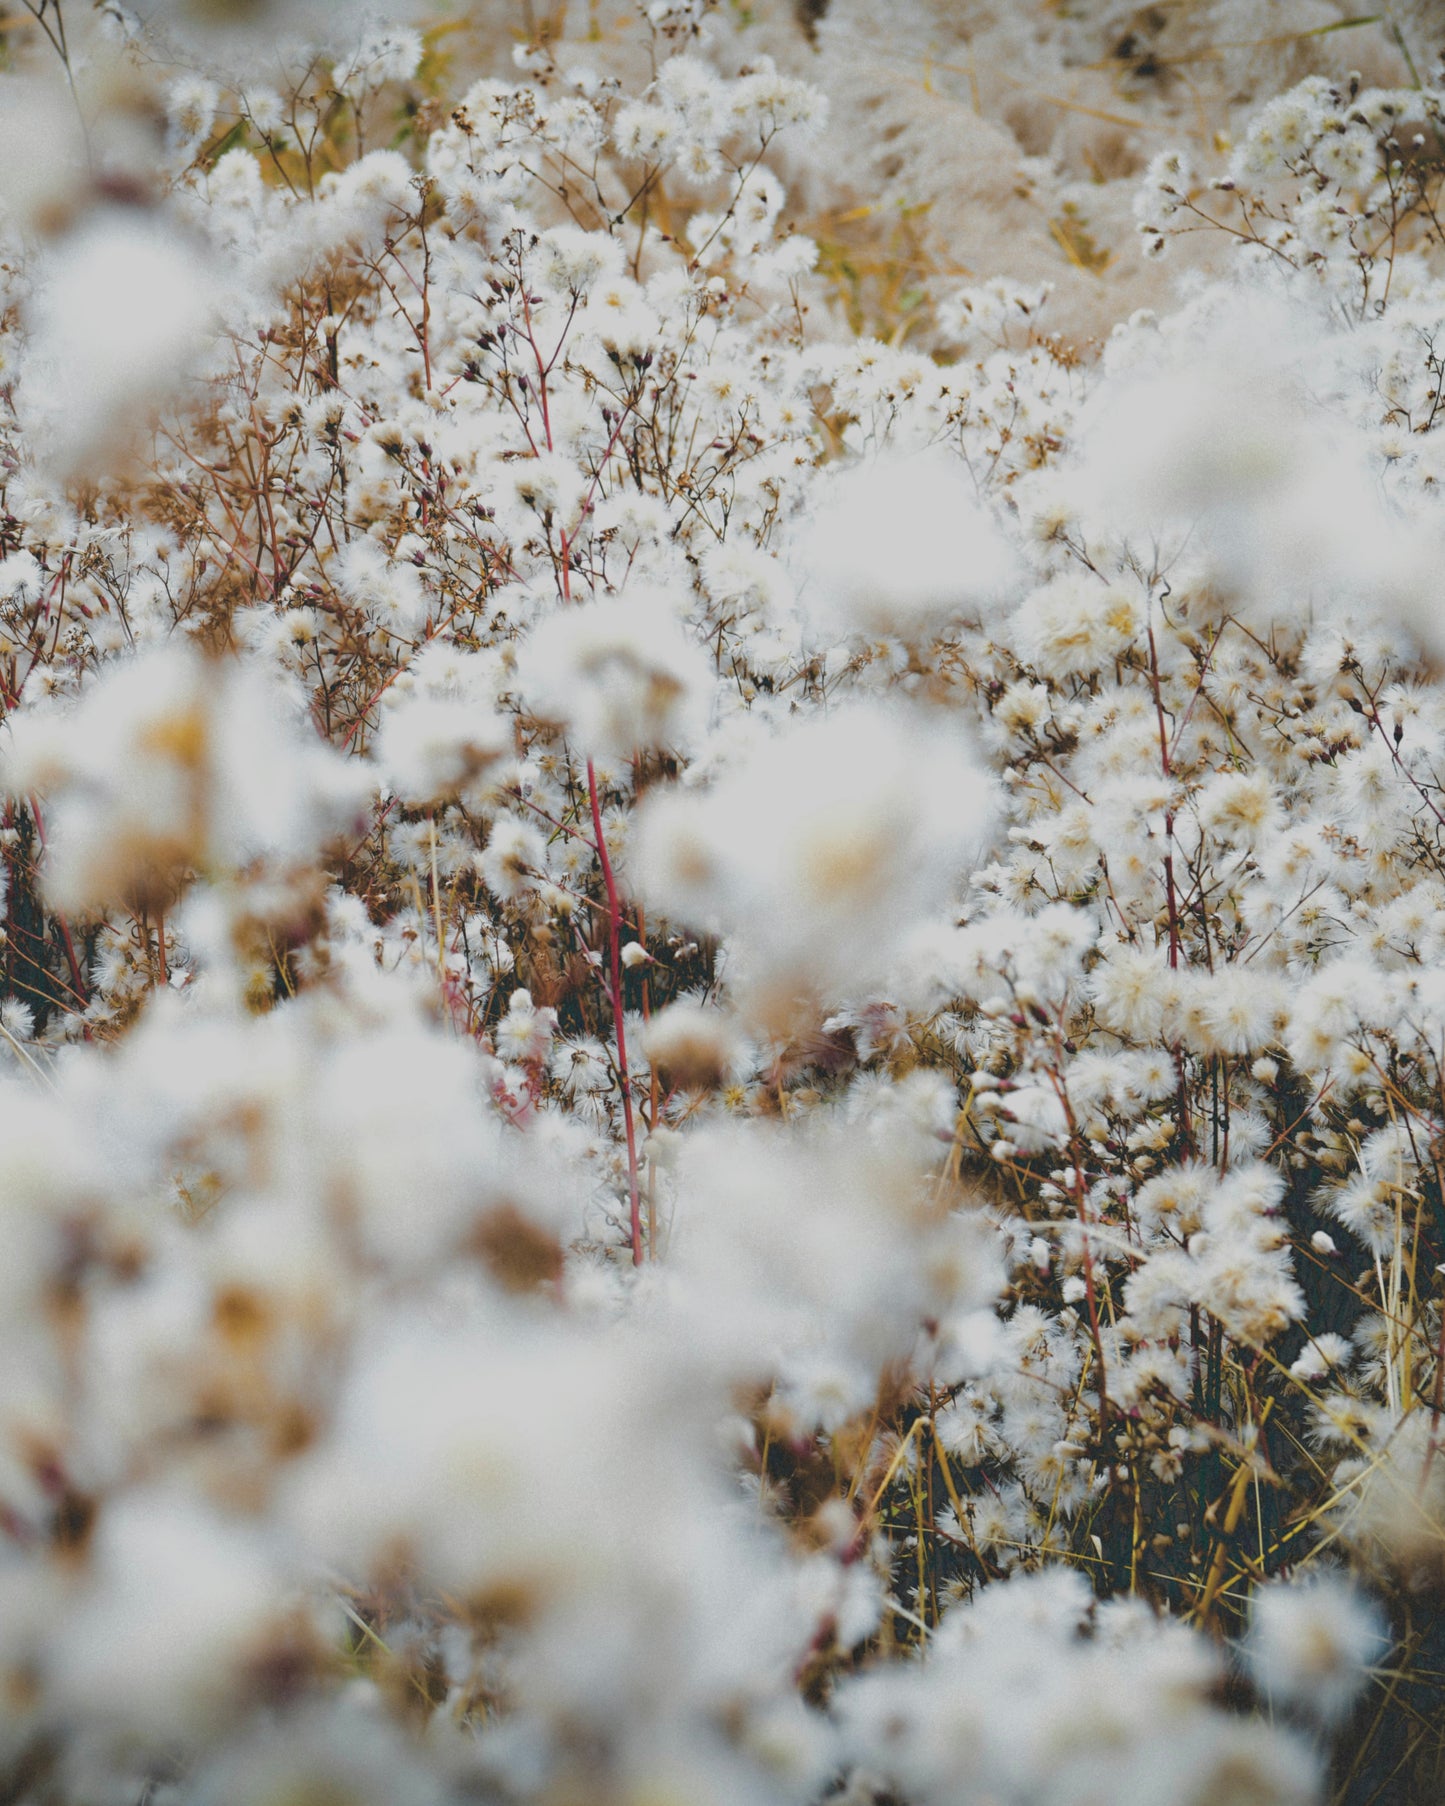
614	902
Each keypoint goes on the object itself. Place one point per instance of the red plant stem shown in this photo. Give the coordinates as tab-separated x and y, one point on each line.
614	904
614	920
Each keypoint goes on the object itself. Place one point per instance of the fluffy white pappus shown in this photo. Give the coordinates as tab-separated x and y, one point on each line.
1184	442
391	592
1252	1192
823	1244
1174	1200
1051	1604
1135	990
547	486
1075	623
746	584
569	261
514	863
121	309
1035	1117
1234	1010
1312	1643
1392	1491
191	103
503	1458
914	1116
42	151
1345	999
52	1177
1013	1701
767	99
1233	433
525	1032
425	1464
360	200
1325	1353
1241	808
691	1044
400	1145
169	763
249	34
618	675
902	544
21	579
432	749
385	53
1039	958
821	847
343	1750
1240	1266
171	1637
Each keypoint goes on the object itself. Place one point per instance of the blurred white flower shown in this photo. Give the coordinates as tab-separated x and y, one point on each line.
171	763
120	312
821	847
247	33
1312	1643
902	544
174	1636
618	674
433	748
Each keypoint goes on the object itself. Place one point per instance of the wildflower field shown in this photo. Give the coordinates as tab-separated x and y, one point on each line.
722	903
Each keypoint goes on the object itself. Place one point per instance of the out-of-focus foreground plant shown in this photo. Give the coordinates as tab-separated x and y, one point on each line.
724	1045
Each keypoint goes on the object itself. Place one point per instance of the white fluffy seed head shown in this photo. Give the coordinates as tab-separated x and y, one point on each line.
1312	1643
